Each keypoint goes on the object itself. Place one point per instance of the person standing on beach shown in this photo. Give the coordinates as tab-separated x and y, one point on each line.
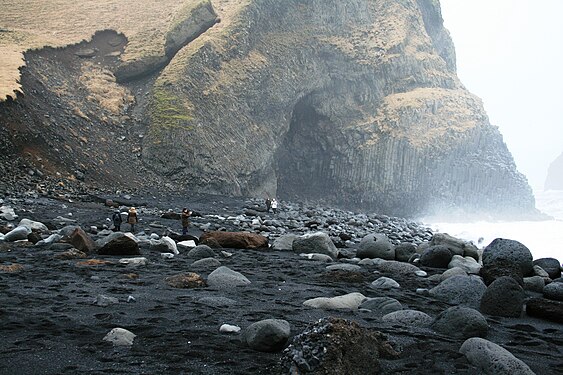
274	205
185	217
117	220
268	204
132	218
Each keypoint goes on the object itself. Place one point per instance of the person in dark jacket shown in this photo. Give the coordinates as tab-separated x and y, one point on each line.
132	218
117	220
185	217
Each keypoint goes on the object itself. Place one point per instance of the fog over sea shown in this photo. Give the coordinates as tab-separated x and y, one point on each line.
543	238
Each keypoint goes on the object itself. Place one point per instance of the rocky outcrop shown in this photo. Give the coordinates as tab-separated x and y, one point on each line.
356	103
554	180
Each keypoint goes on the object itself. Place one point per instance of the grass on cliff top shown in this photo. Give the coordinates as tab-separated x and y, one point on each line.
28	24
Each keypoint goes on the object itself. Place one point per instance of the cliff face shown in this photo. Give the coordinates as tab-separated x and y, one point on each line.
353	102
554	180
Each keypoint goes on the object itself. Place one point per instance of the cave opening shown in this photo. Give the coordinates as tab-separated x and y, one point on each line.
304	159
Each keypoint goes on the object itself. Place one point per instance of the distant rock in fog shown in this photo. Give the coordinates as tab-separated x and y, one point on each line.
554	180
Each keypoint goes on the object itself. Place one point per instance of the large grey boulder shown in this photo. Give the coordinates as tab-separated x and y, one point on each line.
408	318
502	252
550	265
437	256
461	322
376	246
553	291
503	297
284	242
269	335
225	278
34	226
460	290
455	245
317	242
201	252
492	359
468	264
17	234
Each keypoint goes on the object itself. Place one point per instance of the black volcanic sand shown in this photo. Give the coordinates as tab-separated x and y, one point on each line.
50	325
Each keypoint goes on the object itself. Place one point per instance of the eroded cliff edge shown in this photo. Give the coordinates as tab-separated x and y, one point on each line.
351	102
355	103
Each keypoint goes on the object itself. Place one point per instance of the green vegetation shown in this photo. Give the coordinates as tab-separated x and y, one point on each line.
167	112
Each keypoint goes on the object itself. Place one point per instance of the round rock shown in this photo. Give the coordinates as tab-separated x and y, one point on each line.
438	256
376	246
269	335
461	323
504	297
508	250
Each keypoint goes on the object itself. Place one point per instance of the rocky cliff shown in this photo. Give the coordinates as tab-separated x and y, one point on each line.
355	103
554	180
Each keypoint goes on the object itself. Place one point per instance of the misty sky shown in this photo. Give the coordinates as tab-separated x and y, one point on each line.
510	54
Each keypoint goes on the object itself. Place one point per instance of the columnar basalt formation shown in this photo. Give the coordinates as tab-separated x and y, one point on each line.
351	102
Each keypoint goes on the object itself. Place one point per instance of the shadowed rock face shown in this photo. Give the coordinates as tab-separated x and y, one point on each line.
355	103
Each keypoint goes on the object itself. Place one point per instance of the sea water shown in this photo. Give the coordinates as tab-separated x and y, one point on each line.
543	238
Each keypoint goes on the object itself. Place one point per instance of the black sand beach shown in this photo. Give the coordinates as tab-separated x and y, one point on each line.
52	320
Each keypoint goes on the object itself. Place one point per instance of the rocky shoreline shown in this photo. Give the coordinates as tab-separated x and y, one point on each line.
312	290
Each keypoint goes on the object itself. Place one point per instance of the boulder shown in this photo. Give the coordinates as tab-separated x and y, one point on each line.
201	252
461	323
284	242
236	240
408	318
318	242
384	283
553	291
492	359
404	251
503	297
502	267
225	278
376	246
395	268
17	234
208	263
437	256
34	226
513	252
468	264
120	337
550	265
534	284
350	301
118	243
455	245
380	306
452	272
545	309
269	335
460	290
82	241
334	346
187	280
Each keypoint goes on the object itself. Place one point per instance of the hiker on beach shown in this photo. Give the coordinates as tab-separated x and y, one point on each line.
268	204
117	220
274	205
132	218
185	217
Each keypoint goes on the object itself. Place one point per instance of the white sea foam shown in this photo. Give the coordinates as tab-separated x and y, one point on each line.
543	238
